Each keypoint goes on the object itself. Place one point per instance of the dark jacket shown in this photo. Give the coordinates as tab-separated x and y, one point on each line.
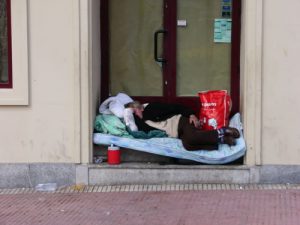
159	112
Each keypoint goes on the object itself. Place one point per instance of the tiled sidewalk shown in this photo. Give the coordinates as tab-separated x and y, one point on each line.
80	188
120	205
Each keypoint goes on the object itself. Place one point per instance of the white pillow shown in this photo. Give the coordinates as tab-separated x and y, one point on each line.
117	108
115	105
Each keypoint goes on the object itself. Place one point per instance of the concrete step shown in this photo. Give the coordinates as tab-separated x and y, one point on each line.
154	173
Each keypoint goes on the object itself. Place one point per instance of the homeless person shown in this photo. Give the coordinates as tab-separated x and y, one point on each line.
180	122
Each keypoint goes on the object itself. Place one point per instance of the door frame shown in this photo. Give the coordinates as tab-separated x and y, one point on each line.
169	69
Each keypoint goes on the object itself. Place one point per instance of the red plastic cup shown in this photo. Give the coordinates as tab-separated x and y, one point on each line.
113	155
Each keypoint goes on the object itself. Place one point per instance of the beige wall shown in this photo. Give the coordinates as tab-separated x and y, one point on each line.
269	81
251	77
281	79
47	129
63	63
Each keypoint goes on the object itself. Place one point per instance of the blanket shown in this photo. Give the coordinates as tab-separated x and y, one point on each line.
172	147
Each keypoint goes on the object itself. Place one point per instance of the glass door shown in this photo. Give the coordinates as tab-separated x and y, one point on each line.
168	50
135	37
203	60
207	49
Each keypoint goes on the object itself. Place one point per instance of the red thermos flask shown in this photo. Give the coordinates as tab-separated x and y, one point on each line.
113	155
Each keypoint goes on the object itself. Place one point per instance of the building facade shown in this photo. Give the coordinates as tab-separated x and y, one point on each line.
47	115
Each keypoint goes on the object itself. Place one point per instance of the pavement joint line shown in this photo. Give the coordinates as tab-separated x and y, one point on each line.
140	187
153	188
97	189
104	188
122	188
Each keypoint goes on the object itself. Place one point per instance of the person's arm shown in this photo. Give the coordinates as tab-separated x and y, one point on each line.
142	126
194	120
161	111
184	111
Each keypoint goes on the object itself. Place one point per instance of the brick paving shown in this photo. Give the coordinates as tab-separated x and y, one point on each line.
203	207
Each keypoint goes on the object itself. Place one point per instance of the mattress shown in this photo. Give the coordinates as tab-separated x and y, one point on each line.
172	147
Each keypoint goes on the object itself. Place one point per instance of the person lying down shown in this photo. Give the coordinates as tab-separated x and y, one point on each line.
180	122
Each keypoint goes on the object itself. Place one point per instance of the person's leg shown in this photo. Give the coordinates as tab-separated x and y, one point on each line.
229	131
195	139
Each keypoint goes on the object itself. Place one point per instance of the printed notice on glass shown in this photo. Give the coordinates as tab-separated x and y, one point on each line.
222	31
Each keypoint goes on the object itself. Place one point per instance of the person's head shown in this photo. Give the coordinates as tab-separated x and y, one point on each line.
137	107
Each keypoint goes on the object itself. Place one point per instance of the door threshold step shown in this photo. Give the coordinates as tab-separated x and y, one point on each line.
145	165
144	173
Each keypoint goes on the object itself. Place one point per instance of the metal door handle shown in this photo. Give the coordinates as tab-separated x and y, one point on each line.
156	58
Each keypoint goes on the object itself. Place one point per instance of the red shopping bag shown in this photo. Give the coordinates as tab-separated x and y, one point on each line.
215	109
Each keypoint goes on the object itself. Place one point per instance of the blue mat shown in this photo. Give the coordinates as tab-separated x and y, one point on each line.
172	147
